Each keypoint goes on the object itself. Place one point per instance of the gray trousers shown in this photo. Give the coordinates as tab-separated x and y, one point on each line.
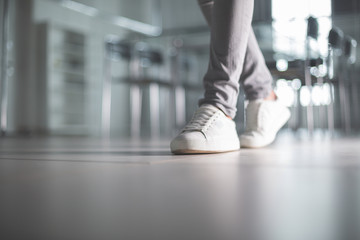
235	56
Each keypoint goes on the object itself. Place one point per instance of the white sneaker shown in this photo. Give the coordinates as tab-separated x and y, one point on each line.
263	120
209	131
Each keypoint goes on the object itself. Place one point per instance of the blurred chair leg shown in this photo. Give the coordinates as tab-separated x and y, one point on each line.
106	99
180	103
344	105
135	109
154	110
309	108
3	67
322	110
330	112
355	100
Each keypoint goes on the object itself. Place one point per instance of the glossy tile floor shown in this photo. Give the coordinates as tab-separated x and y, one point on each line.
60	188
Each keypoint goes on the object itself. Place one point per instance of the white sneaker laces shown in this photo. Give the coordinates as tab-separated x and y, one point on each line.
201	120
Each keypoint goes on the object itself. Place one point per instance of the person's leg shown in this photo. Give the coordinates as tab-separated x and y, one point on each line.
257	83
210	130
230	30
233	53
206	7
255	76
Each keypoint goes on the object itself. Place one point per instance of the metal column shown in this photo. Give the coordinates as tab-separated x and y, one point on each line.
4	30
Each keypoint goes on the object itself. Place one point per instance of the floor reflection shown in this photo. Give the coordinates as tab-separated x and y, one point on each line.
289	191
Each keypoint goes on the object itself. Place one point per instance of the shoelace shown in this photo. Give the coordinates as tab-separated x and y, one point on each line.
200	120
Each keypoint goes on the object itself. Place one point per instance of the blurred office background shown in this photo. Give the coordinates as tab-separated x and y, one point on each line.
134	68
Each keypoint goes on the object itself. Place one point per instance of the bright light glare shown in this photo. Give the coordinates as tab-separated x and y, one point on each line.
296	84
281	83
136	26
326	98
322	70
290	24
305	96
314	71
321	95
317	95
124	22
282	65
285	92
319	71
79	7
290	9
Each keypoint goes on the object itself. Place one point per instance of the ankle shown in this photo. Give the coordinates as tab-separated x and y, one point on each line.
271	97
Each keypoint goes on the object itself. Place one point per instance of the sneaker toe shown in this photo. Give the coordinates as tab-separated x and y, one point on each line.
188	141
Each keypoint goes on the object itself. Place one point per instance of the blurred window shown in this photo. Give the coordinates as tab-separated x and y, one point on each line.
290	24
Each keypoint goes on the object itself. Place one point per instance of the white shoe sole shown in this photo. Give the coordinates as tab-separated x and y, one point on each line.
204	147
187	151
